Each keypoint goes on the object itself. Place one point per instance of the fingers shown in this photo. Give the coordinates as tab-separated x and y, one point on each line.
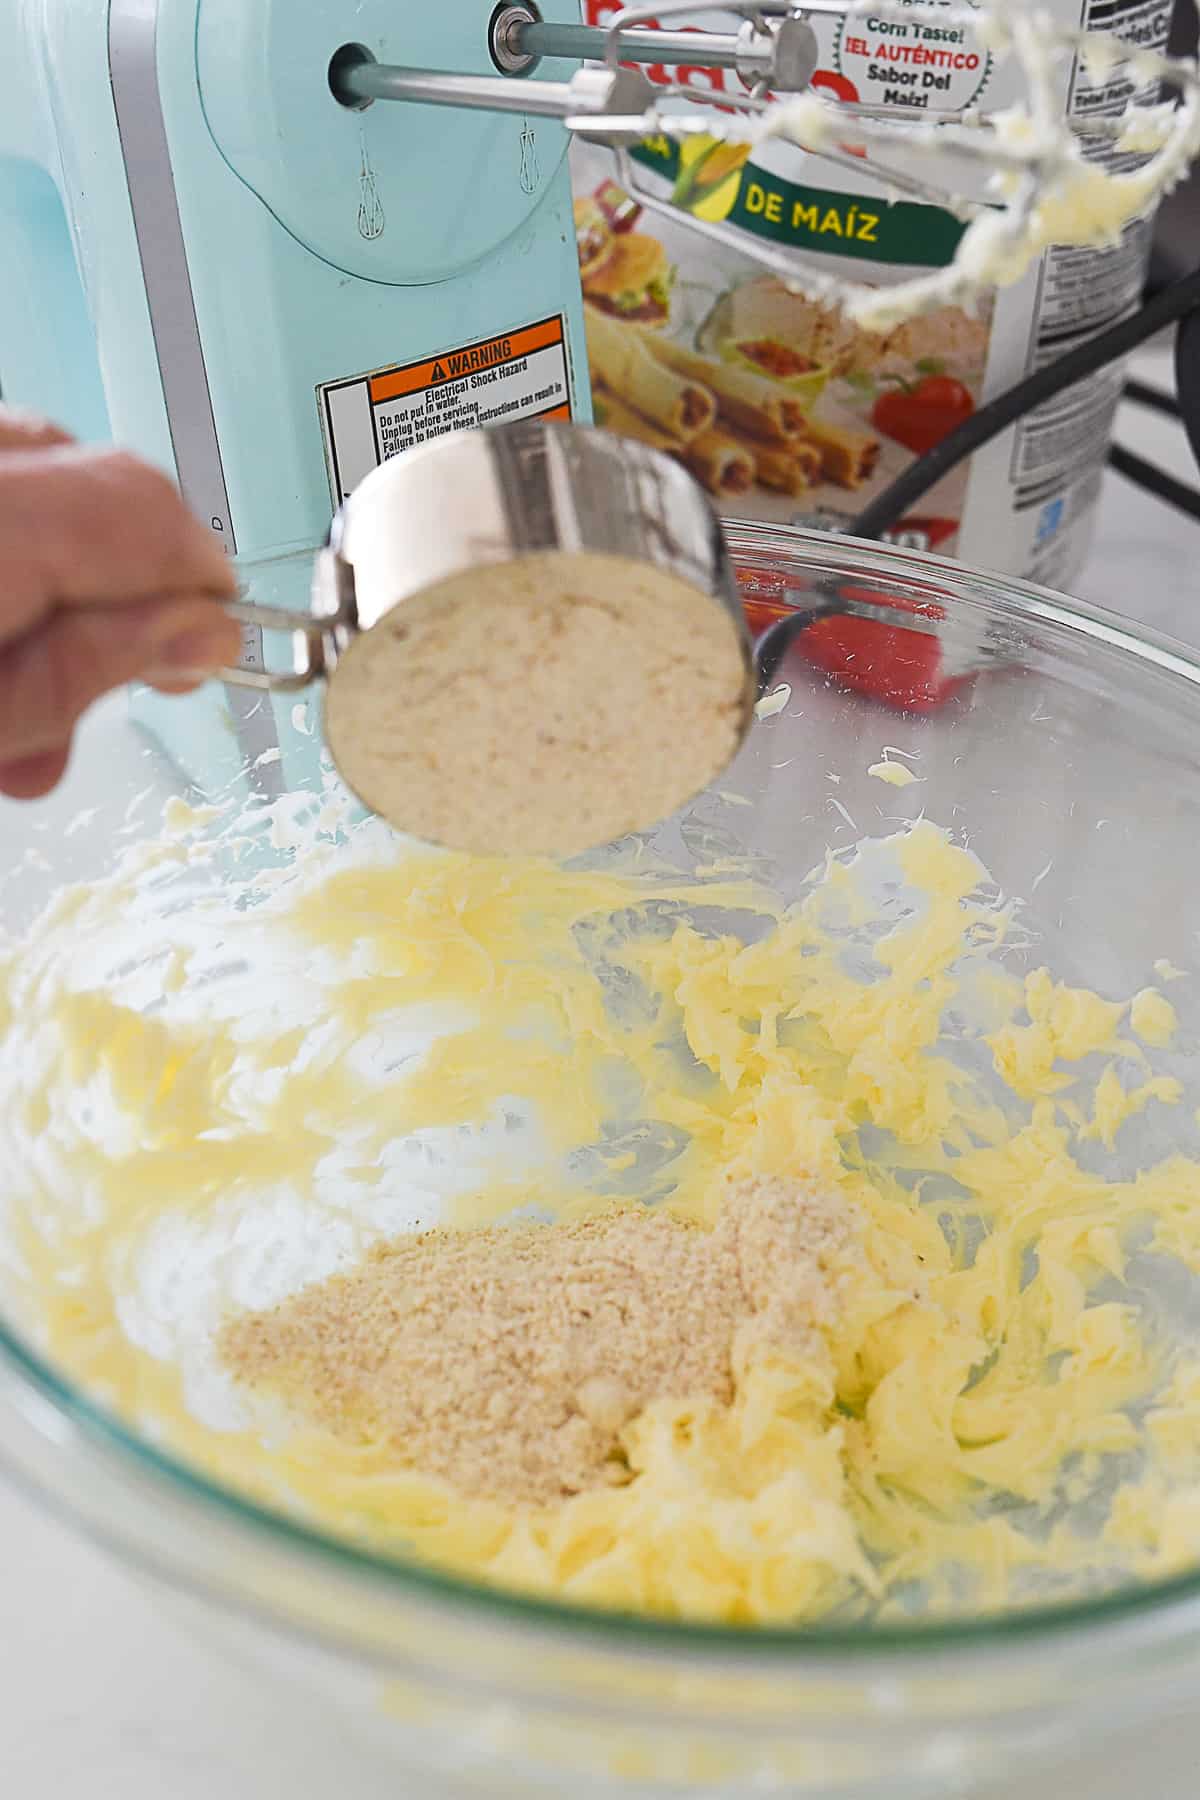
33	776
27	431
90	543
50	676
81	528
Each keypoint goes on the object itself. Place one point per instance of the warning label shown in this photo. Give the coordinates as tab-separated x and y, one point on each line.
520	374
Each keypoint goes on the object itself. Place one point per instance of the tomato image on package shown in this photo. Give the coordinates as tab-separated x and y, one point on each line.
519	374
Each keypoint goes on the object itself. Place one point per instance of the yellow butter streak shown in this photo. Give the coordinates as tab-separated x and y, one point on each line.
989	1356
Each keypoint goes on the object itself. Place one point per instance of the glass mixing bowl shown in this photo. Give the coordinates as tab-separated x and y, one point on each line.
1065	750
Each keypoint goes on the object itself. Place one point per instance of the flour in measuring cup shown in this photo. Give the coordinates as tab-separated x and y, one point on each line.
543	706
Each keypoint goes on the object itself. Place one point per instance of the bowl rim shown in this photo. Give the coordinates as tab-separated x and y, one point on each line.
1012	1632
959	581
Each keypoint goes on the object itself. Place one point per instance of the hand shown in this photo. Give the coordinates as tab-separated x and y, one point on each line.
105	577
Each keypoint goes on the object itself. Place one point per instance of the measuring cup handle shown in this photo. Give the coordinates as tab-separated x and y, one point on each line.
314	648
773	644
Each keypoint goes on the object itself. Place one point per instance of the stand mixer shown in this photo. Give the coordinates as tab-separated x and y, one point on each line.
222	252
271	284
241	273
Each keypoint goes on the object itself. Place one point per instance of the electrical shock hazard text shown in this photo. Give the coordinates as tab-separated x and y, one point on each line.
517	375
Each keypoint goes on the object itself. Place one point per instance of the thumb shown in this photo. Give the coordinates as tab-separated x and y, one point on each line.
21	430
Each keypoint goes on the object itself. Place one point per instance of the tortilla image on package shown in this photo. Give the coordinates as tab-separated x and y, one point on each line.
730	427
763	308
632	281
793	469
724	465
612	414
753	403
779	406
593	238
668	398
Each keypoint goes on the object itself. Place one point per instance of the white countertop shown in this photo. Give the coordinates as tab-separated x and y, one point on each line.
103	1696
1144	559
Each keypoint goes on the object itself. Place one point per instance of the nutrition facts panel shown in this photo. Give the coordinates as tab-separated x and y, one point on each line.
366	419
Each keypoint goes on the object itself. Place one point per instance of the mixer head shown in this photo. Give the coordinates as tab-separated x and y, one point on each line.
1020	178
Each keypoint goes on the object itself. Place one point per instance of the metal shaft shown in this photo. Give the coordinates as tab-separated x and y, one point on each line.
488	93
587	43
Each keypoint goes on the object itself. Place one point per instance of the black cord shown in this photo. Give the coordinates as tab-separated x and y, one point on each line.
778	638
1171	303
1187	378
1148	475
1155	480
1152	398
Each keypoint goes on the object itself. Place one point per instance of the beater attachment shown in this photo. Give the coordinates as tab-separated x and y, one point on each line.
1020	178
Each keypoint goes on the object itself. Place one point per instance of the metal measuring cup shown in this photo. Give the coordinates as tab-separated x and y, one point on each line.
480	498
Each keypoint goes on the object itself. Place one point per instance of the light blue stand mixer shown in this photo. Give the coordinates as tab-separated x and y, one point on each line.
219	252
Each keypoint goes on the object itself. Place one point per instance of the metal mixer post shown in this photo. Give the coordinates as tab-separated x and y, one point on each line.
774	50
